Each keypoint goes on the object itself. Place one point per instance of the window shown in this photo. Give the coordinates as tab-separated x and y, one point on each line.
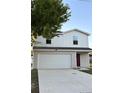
75	40
48	41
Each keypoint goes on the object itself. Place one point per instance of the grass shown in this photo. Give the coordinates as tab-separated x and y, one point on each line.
89	71
34	81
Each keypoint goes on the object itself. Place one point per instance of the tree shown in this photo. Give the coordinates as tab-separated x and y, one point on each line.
47	17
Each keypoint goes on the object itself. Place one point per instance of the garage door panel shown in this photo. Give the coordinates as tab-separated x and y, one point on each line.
54	61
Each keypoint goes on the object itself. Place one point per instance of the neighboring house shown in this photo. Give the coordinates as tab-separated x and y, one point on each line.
69	50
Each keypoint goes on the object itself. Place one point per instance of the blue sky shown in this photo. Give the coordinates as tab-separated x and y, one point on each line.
81	16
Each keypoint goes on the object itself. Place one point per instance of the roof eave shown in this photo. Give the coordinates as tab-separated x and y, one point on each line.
78	31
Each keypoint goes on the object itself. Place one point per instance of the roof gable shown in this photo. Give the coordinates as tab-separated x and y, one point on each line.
77	30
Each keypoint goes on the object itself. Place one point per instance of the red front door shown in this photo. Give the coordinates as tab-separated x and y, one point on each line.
78	60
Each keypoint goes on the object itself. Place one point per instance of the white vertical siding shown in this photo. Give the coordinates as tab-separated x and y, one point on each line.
34	65
84	60
74	60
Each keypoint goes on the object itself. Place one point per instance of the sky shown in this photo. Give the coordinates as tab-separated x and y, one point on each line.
81	16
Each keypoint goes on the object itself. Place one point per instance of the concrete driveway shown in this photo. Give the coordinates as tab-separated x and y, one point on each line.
64	81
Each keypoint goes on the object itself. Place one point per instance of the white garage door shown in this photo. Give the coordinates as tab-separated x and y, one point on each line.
54	61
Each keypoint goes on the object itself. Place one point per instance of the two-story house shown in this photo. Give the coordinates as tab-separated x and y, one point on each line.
69	50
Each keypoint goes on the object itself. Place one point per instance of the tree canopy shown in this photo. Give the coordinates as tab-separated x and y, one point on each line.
47	17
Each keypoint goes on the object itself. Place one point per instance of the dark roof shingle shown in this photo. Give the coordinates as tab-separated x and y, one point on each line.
75	48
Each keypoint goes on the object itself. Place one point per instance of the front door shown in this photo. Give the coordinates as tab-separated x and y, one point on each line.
78	60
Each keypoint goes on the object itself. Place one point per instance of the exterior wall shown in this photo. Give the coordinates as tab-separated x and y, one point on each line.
34	65
84	60
73	57
74	60
65	40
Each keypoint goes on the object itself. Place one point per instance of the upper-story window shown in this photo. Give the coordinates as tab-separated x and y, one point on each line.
48	41
75	40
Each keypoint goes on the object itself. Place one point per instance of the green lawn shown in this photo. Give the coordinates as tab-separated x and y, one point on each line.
87	71
34	81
